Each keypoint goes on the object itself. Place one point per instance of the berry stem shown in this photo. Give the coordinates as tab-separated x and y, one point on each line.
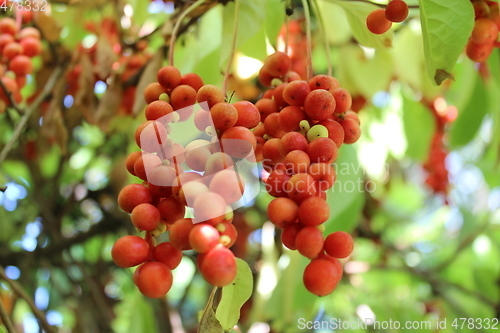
307	15
177	25
287	27
322	29
233	47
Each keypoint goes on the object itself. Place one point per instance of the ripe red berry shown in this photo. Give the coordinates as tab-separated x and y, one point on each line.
145	217
168	255
396	11
129	251
485	31
153	279
321	277
377	23
203	237
282	211
278	64
309	242
313	211
218	266
339	244
319	104
169	77
132	195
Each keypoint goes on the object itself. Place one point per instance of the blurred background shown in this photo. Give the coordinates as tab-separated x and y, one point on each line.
419	192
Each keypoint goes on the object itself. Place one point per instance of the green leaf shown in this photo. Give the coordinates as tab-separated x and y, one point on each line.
349	185
250	19
446	27
275	16
357	12
369	75
234	296
470	117
419	126
208	322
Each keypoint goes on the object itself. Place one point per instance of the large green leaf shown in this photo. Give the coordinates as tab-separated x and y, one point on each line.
446	27
357	12
349	185
419	127
250	19
234	296
470	117
275	16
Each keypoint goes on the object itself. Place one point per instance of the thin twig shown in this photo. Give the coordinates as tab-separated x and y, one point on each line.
6	319
324	35
29	111
10	98
233	47
176	29
307	15
16	287
287	27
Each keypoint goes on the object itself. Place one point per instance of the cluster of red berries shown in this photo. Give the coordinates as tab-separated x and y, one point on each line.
435	165
17	47
304	123
380	20
484	36
199	180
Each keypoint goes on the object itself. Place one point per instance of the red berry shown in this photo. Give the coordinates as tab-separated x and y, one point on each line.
129	251
377	23
339	244
153	279
321	277
396	11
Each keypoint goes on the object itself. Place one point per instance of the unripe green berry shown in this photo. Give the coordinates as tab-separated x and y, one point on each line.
317	131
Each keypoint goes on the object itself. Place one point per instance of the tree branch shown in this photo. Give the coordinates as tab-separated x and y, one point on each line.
16	287
6	319
30	110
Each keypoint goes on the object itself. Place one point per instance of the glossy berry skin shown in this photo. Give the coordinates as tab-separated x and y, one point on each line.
478	52
339	244
248	114
132	195
218	267
377	23
224	116
485	31
313	211
179	234
171	210
203	237
296	92
238	142
282	211
396	11
321	277
278	64
309	242
145	217
322	150
169	77
168	255
319	104
153	279
289	234
129	251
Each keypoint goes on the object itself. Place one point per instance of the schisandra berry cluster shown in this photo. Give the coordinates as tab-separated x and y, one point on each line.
17	47
201	176
303	124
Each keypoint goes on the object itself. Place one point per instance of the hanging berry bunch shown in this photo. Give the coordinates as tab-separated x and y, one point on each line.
17	47
435	165
380	20
484	36
200	177
304	123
